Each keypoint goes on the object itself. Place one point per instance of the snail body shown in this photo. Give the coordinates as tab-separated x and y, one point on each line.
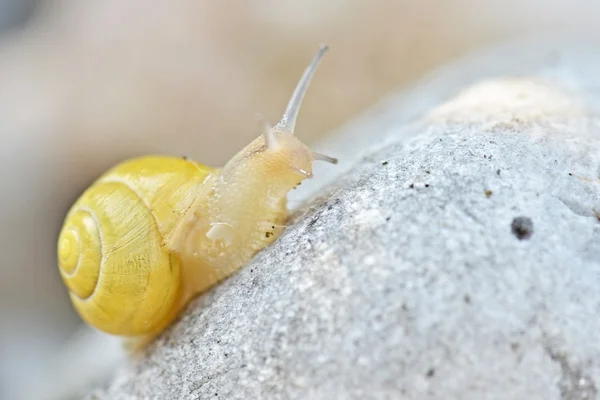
154	232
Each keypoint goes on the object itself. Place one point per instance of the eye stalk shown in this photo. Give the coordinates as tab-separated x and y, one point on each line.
287	124
288	121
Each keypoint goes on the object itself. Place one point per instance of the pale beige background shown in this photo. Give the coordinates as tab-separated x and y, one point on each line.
87	84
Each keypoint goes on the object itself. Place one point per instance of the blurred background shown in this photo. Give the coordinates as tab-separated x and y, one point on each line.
86	84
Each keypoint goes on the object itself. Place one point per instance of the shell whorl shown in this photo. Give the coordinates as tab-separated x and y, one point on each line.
121	278
80	272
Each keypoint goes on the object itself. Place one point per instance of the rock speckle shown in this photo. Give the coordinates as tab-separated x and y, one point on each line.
522	227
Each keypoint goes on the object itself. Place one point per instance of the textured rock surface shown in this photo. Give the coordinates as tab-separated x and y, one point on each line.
460	260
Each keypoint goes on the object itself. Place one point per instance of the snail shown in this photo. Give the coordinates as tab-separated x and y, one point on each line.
154	232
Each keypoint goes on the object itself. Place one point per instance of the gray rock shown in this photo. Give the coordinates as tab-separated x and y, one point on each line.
459	260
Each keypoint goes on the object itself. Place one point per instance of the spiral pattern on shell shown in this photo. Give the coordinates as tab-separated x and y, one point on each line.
120	278
80	272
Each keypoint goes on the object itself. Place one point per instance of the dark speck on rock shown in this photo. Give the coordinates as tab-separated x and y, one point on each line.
522	227
498	172
430	373
384	163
